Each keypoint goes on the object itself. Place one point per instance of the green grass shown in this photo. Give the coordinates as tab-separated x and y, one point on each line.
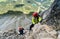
27	8
2	0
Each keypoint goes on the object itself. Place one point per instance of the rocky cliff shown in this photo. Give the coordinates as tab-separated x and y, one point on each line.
46	31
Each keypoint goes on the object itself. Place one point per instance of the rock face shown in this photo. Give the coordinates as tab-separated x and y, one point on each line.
40	32
52	14
43	32
13	21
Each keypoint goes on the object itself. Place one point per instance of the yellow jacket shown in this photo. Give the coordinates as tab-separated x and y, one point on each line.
36	20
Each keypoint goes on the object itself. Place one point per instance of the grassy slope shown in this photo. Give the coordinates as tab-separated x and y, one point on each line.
28	7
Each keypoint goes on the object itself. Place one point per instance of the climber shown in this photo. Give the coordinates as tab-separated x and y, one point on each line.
21	30
35	19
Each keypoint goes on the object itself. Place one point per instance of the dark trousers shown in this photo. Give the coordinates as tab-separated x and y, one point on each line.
31	26
21	32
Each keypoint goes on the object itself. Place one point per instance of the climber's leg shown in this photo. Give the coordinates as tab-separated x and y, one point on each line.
31	26
21	31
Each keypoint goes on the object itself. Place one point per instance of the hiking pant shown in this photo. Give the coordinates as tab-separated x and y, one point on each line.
21	32
31	26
